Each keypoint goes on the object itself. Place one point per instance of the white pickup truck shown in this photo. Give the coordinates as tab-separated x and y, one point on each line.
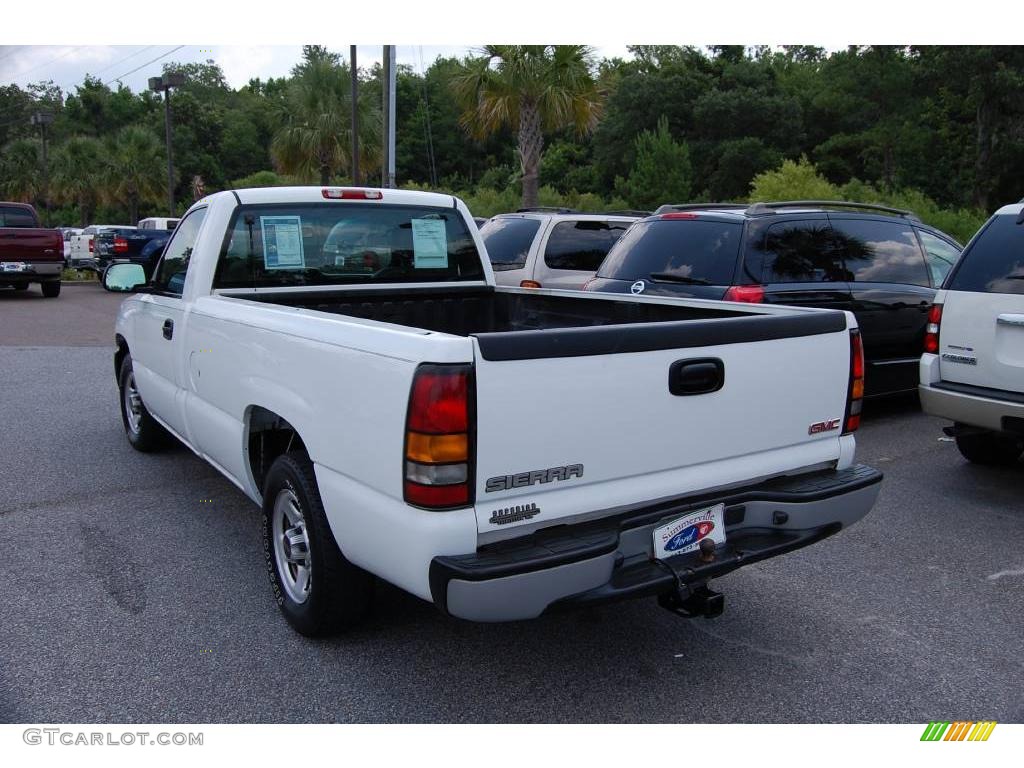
344	357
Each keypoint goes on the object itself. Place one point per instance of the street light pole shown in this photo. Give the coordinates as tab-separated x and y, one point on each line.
43	118
164	85
354	70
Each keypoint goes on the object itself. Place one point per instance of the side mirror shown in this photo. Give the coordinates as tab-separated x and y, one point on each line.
124	277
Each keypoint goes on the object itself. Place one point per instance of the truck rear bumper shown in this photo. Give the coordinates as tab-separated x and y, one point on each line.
611	559
32	271
977	406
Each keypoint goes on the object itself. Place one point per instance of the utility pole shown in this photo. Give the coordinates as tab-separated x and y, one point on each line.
388	171
43	118
164	85
355	113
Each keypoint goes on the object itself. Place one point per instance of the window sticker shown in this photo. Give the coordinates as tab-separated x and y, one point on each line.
429	244
282	242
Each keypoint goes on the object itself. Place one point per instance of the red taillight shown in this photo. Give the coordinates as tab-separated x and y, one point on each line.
747	294
438	463
529	284
337	193
931	331
855	398
90	245
678	215
120	245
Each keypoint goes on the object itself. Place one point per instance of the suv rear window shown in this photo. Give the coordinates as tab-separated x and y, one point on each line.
994	262
693	250
508	241
803	251
16	217
345	243
581	245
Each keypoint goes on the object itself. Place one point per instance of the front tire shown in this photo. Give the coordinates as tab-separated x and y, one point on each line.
317	589
51	289
143	431
990	448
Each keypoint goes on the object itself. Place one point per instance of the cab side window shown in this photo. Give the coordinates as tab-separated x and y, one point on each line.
170	275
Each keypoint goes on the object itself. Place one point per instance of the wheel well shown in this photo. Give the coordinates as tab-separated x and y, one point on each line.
269	436
120	354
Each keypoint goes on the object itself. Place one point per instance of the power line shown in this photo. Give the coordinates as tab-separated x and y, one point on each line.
121	61
151	61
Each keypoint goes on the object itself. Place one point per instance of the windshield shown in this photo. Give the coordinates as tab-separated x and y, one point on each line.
346	243
687	250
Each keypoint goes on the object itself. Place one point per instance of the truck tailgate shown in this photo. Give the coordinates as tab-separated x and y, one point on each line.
579	422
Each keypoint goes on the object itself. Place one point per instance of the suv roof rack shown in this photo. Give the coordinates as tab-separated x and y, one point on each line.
668	208
546	209
627	212
760	209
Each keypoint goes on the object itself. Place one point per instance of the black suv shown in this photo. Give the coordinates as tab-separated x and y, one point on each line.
881	263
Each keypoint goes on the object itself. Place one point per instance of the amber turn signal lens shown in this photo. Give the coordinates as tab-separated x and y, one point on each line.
858	389
436	449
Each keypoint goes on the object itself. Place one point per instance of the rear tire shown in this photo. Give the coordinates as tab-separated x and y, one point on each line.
317	589
143	431
51	289
990	448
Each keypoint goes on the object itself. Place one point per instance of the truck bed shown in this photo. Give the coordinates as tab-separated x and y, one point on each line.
512	324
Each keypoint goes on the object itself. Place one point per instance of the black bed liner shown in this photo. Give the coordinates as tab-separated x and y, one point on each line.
517	326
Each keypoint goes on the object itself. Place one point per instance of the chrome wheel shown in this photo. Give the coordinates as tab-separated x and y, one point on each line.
291	545
132	405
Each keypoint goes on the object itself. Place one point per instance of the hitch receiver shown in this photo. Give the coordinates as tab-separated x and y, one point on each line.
691	602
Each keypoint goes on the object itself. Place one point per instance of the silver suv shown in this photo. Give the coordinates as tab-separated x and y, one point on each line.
972	371
551	247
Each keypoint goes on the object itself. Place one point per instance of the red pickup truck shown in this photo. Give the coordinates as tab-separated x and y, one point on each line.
29	253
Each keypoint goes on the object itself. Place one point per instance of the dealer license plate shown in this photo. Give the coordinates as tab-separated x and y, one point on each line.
684	534
12	266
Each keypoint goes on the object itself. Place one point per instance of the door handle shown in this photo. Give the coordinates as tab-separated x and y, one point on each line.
696	377
168	328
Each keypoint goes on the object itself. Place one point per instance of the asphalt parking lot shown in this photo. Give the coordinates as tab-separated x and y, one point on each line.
132	589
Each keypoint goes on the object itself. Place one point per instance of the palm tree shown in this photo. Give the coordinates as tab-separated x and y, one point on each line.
21	171
533	89
135	169
316	136
78	174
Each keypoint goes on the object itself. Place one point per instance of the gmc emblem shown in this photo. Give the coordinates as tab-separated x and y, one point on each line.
823	426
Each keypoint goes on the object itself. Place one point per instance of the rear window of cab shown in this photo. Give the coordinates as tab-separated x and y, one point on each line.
313	244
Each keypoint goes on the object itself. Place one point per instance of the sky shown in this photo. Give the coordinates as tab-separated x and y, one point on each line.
67	65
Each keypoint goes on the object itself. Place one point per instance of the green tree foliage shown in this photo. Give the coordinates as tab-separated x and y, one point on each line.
21	177
798	180
315	138
136	169
661	172
532	89
79	175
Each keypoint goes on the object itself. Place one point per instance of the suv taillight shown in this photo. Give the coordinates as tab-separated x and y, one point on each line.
748	294
438	466
855	399
931	331
120	245
90	245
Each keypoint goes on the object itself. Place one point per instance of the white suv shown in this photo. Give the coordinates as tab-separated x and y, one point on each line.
551	247
973	368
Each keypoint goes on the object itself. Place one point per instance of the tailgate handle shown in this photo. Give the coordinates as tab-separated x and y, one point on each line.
696	377
1010	320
